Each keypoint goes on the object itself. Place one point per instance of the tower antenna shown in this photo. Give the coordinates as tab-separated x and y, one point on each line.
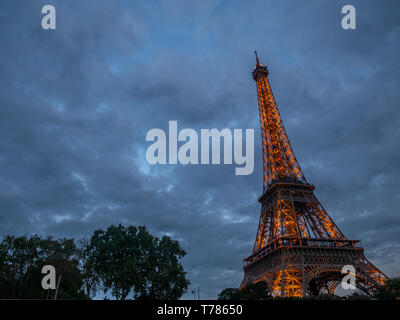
258	62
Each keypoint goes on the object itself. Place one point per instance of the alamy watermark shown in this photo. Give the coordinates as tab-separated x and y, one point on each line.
49	280
349	20
349	280
49	20
188	152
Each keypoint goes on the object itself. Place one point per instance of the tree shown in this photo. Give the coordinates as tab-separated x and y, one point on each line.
229	294
164	275
130	261
253	291
21	262
91	280
389	291
356	296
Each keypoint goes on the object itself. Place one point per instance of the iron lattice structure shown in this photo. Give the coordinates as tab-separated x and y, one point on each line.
298	250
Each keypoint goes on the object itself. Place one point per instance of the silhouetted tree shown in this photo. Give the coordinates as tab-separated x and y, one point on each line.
390	290
91	280
131	261
253	291
21	262
229	294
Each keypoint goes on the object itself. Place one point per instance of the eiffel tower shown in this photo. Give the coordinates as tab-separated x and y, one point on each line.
298	250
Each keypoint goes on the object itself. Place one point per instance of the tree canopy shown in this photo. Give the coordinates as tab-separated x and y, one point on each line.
253	291
389	291
21	262
126	262
131	261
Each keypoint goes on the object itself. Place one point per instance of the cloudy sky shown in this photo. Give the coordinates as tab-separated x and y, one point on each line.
76	104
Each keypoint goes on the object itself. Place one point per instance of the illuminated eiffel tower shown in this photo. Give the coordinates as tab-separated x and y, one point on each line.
298	250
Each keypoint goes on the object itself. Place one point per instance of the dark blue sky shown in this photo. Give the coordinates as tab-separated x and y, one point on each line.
76	104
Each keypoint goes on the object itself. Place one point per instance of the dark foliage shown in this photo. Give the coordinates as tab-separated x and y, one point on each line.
389	291
21	262
254	291
129	261
124	261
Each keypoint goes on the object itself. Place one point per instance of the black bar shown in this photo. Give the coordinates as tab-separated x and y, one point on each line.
198	309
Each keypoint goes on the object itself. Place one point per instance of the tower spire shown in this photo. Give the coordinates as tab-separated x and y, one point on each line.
258	62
